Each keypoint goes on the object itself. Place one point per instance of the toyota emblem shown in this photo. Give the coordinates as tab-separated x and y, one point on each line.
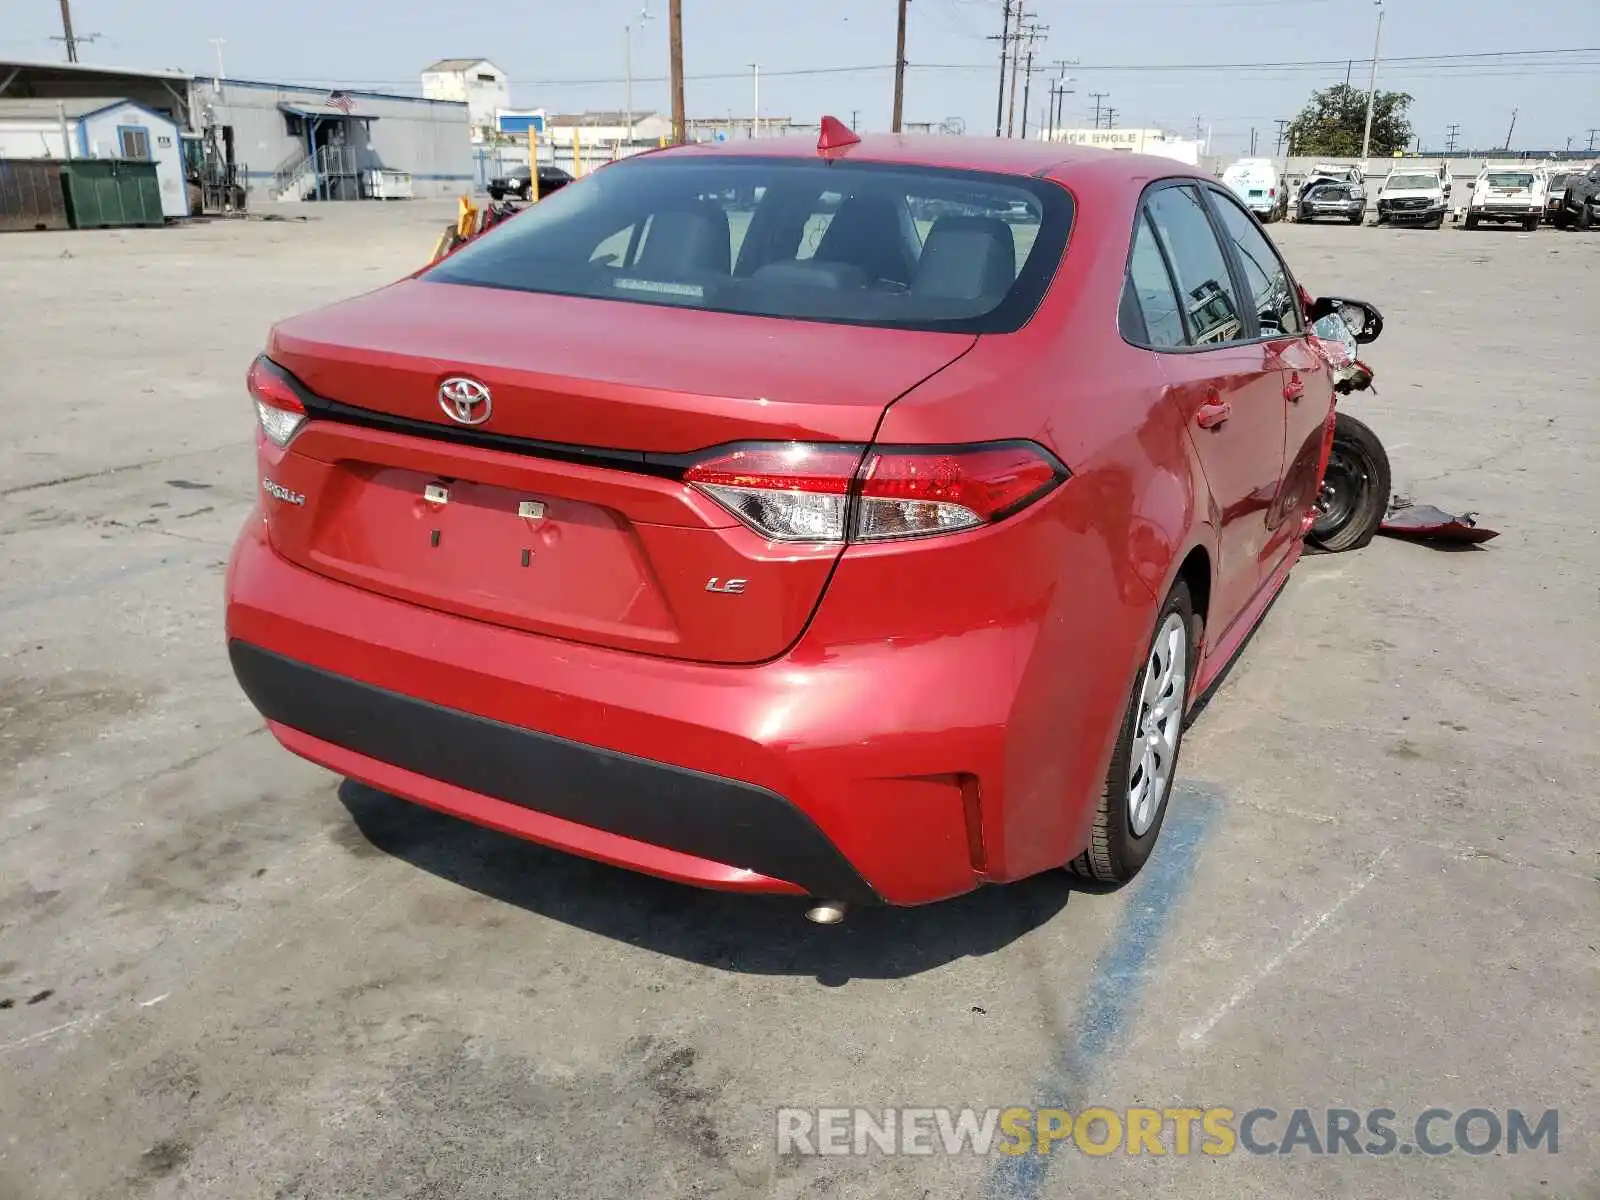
465	400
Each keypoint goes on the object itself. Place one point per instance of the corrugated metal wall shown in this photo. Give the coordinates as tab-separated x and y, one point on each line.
428	139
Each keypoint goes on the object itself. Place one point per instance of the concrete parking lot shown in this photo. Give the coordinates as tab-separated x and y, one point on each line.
225	972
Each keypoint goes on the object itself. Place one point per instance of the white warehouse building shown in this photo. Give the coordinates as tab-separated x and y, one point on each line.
475	82
304	143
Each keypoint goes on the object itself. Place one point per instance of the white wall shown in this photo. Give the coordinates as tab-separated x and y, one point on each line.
32	139
166	149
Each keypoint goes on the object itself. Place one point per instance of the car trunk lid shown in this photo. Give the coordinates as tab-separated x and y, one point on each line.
562	512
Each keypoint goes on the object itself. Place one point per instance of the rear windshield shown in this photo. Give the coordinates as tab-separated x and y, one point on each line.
849	243
1510	179
1412	181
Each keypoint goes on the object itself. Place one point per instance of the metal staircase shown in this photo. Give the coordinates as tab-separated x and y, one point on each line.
329	174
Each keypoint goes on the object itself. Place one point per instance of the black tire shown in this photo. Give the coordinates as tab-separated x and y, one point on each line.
1437	222
1469	222
497	194
1358	218
1355	489
1115	854
1531	225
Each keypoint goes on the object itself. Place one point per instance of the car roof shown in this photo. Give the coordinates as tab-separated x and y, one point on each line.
1007	156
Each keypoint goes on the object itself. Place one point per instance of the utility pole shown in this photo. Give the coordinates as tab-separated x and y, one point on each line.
675	69
899	70
1513	128
1035	32
1098	96
1252	141
627	62
1016	60
1592	135
1005	47
1450	140
1372	85
755	100
1111	118
66	31
1283	133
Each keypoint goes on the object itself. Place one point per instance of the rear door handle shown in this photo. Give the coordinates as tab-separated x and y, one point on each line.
1295	390
1213	414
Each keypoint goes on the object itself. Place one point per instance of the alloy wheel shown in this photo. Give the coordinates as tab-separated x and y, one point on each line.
1160	724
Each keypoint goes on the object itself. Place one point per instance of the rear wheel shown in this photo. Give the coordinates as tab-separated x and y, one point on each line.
1531	224
1144	763
1471	222
1356	218
1355	489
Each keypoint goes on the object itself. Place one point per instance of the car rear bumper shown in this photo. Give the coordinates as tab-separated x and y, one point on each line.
873	772
683	824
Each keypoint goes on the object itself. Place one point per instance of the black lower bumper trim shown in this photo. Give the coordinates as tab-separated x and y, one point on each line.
708	816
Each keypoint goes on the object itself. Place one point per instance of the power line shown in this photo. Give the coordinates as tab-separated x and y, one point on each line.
1457	63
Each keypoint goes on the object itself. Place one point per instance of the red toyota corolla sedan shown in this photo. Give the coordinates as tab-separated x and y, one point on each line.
856	521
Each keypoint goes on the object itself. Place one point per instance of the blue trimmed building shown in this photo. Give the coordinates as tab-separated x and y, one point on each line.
98	127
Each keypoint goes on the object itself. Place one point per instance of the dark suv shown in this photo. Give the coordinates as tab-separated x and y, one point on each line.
518	182
1580	207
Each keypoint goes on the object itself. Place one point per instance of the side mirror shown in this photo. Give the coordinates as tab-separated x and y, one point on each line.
1363	320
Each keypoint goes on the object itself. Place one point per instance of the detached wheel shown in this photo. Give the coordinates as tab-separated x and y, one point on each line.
1145	761
1355	489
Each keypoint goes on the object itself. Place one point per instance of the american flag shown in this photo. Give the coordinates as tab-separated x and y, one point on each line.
342	101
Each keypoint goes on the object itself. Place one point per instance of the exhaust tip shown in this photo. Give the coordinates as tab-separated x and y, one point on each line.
826	912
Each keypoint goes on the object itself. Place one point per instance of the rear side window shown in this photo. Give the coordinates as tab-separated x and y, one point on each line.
885	245
1150	313
1205	288
1272	292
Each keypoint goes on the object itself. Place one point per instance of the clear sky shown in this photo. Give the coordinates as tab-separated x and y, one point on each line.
568	55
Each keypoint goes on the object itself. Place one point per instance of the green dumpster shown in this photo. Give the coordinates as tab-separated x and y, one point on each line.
104	193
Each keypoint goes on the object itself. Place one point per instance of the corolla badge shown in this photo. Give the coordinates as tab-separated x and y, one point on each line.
465	401
278	492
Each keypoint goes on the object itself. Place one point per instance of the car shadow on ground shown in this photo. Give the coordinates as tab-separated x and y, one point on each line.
760	935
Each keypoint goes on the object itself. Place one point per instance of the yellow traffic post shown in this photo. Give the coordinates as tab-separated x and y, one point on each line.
533	163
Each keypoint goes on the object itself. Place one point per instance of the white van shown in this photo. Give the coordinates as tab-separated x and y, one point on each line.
1259	187
1508	193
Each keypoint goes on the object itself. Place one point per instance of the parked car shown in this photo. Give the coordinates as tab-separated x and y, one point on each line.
518	182
1412	197
1514	193
1257	183
1555	194
1346	201
870	570
1580	203
1331	173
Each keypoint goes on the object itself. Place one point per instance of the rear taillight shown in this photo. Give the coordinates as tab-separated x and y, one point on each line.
800	492
278	408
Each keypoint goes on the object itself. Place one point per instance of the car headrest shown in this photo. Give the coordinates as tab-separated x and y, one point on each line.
964	258
866	232
688	239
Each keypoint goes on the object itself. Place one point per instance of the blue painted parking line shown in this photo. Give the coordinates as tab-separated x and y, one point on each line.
1118	978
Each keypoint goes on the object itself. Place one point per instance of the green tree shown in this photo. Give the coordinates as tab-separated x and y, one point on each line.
1331	124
